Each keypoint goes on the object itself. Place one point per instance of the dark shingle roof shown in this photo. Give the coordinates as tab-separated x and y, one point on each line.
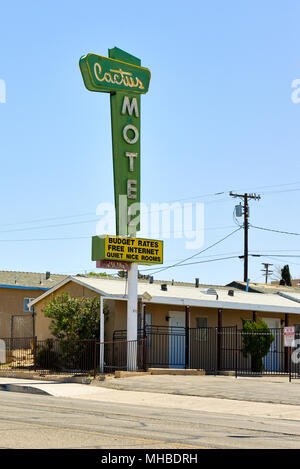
263	288
29	279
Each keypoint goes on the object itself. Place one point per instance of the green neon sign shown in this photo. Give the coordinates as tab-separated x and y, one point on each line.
108	75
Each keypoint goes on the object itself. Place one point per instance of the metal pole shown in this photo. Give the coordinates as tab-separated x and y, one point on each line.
287	350
290	364
236	351
219	341
95	358
144	337
246	225
187	337
132	317
101	355
246	196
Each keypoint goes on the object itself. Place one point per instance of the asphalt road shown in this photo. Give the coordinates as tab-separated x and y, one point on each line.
32	421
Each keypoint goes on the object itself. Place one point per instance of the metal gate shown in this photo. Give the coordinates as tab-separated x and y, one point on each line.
213	349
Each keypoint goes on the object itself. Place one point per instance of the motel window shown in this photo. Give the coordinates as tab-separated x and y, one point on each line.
148	323
148	320
201	325
26	307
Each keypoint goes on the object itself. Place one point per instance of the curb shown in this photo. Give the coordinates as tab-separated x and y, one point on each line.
80	379
176	371
23	389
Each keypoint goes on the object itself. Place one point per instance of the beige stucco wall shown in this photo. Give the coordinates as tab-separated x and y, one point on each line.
12	303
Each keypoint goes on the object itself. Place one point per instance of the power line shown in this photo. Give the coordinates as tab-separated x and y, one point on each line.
232	255
280	192
49	226
163	235
276	259
211	194
274	231
63	217
201	262
198	253
276	255
43	239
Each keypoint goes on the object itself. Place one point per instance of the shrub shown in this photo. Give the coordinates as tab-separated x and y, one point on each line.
47	358
257	339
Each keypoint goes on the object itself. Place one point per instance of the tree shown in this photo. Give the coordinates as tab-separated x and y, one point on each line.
75	323
74	318
286	278
257	339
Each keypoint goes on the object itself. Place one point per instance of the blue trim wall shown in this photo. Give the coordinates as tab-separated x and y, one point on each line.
20	287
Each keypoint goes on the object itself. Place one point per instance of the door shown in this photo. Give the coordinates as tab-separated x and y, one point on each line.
177	339
272	359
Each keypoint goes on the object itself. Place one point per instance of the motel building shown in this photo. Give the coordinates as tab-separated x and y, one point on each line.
17	289
186	325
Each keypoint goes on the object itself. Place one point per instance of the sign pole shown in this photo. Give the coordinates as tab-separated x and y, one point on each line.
122	76
132	305
101	356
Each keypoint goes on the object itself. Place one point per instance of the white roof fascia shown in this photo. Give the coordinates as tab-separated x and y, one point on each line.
76	280
219	304
224	305
288	297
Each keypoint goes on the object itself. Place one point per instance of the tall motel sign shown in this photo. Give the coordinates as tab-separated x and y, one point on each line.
121	75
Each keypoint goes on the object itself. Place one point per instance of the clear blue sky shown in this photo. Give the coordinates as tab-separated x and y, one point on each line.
218	117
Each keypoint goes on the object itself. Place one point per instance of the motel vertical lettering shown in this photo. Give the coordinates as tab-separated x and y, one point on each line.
125	121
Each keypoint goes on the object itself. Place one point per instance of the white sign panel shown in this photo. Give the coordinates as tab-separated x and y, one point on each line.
2	352
289	336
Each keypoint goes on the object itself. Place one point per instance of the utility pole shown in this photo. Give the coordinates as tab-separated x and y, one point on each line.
245	198
266	271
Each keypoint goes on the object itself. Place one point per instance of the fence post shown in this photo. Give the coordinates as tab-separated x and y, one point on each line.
219	341
187	337
236	351
144	336
95	358
34	352
290	364
144	353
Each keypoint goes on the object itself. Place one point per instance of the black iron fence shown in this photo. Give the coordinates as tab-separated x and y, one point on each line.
294	359
16	353
122	355
69	357
211	349
234	355
214	349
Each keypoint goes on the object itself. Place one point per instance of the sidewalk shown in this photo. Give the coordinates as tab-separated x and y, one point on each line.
104	394
268	389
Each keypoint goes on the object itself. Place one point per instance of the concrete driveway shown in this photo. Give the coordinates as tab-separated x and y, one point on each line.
271	389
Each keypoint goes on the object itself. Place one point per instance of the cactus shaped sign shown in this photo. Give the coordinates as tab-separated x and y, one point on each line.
122	76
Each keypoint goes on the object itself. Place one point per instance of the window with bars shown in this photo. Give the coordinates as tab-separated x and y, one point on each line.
201	325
